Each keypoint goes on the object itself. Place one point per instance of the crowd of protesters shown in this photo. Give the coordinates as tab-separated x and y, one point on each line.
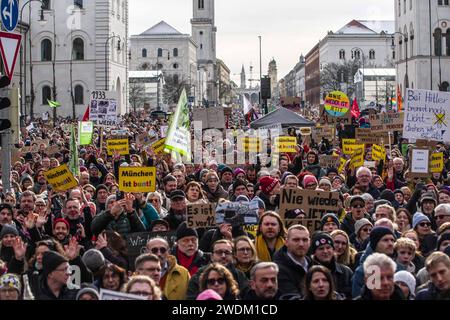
389	241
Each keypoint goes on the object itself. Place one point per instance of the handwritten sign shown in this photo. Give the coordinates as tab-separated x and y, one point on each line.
305	131
158	146
328	161
200	216
437	162
61	178
251	144
118	145
337	104
285	144
427	115
378	153
420	162
367	136
326	118
322	132
349	146
357	159
386	122
137	179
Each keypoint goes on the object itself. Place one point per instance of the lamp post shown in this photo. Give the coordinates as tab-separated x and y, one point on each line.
158	90
260	70
106	57
363	81
406	52
22	53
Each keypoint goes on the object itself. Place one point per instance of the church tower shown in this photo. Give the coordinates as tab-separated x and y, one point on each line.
243	85
204	35
273	74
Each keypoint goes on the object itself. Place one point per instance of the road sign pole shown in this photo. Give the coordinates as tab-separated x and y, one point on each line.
6	160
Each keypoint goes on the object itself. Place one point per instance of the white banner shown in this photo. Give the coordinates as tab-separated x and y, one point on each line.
103	108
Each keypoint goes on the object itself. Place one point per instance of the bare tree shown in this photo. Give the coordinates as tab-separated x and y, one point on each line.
339	76
173	87
136	95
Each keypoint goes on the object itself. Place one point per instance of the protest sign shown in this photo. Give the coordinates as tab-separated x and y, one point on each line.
366	136
237	213
144	139
50	151
378	153
61	178
305	131
314	204
118	145
200	215
426	115
158	146
328	161
163	131
437	162
285	144
251	144
322	132
103	108
210	117
337	104
137	179
386	122
357	159
117	295
419	165
349	146
342	162
85	131
326	118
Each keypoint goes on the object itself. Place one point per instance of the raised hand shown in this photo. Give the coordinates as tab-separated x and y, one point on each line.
19	248
101	242
29	221
72	249
129	200
42	219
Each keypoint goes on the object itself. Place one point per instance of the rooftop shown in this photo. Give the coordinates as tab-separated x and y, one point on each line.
368	27
161	28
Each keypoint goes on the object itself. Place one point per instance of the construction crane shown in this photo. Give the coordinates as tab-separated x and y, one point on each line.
250	80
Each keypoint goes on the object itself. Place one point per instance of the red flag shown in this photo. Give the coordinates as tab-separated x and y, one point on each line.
399	100
86	115
355	109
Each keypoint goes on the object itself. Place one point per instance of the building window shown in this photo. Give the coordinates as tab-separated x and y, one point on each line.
78	49
175	65
356	54
443	2
46	95
410	4
447	42
445	86
201	33
175	79
437	42
46	50
175	52
159	66
79	94
404	6
393	55
159	52
78	3
201	46
342	54
144	53
145	66
372	54
46	4
399	8
201	4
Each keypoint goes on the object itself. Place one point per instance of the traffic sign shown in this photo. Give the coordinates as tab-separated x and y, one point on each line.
9	48
10	14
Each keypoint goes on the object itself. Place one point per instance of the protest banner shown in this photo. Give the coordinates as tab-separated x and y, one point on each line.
251	144
357	159
437	162
419	163
237	213
158	146
328	119
337	104
314	204
366	136
118	145
285	144
103	108
342	162
163	131
85	132
349	146
378	153
386	122
137	179
61	178
210	117
322	132
426	115
201	215
328	161
117	295
305	131
144	139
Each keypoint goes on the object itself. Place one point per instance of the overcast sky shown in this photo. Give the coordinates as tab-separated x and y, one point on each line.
288	27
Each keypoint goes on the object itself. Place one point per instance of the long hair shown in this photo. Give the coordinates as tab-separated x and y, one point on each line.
115	270
348	257
308	279
282	233
116	243
232	286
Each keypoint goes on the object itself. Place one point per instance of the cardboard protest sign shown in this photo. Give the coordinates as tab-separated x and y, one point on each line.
210	117
328	161
61	178
251	144
419	162
378	153
349	146
50	151
237	213
118	145
326	118
201	215
285	144
117	295
426	115
158	146
305	131
144	139
386	122
366	136
357	159
437	162
137	179
322	132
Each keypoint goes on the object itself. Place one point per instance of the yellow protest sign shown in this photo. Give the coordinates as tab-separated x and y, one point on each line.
285	144
119	145
342	164
437	162
357	159
251	144
305	131
158	146
378	153
349	146
137	179
61	178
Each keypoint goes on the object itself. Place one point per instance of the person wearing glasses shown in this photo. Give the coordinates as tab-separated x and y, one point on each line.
422	225
359	238
357	212
155	199
244	253
143	286
148	264
363	180
174	279
218	278
442	214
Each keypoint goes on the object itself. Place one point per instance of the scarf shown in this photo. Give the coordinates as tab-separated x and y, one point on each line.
263	251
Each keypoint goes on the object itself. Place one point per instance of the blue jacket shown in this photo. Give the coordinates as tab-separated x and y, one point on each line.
149	214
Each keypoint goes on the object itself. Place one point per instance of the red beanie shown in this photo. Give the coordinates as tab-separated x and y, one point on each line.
308	179
267	184
61	220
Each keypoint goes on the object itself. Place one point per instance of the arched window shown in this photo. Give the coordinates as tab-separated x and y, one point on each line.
342	54
175	65
144	53
145	66
160	52
399	8
372	54
356	54
437	42
201	4
404	6
78	49
405	31
447	41
175	79
445	86
79	94
118	9
46	95
78	3
175	52
46	50
46	4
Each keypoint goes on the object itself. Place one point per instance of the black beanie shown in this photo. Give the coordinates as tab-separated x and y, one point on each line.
100	187
238	183
442	238
51	260
387	195
329	217
226	169
376	234
184	231
319	240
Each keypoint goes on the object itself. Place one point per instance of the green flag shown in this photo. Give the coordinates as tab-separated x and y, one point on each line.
53	104
85	131
178	139
74	164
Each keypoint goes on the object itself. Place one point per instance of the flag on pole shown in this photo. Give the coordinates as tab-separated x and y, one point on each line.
355	109
86	115
247	104
178	139
53	104
399	100
74	164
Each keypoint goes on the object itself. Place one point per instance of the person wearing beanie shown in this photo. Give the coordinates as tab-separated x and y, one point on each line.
406	281
325	184
363	227
212	187
322	250
427	237
427	205
61	230
159	226
10	287
270	188
240	188
313	166
418	218
209	294
101	194
239	173
399	197
88	292
443	242
226	177
261	205
284	176
310	182
329	223
12	249
53	283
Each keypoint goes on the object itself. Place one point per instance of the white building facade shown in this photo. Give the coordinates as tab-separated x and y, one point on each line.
86	41
422	45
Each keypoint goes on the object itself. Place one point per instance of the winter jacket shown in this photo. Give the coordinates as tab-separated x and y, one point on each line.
432	293
269	205
44	293
201	259
124	225
216	195
174	220
348	224
149	214
290	276
316	170
14	266
251	295
366	294
176	280
342	277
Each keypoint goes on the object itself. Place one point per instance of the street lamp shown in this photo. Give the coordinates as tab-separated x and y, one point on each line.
363	80
406	52
42	22
158	90
106	57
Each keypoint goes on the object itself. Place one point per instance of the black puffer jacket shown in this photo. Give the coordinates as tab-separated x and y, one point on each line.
124	225
44	293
